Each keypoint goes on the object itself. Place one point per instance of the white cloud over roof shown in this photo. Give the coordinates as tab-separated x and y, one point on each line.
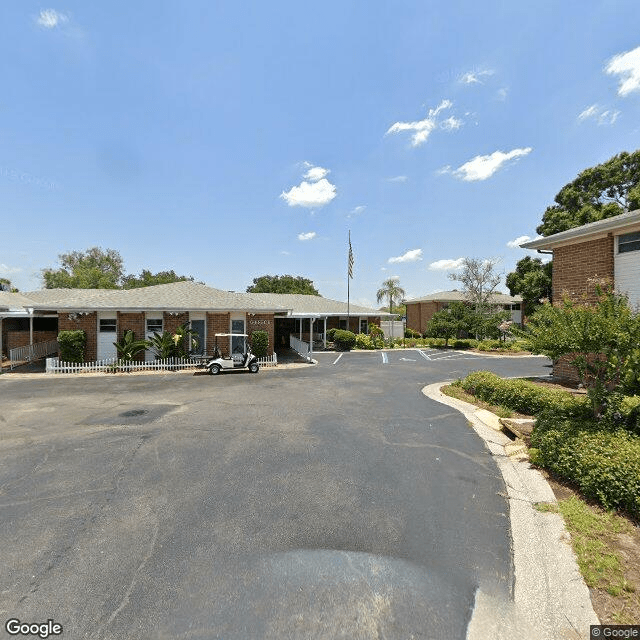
50	18
412	255
422	128
317	192
483	167
446	265
627	67
310	235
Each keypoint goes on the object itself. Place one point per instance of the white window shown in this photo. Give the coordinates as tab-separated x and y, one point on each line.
629	242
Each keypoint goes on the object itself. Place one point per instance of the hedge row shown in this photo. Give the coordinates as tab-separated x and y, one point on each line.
520	395
604	463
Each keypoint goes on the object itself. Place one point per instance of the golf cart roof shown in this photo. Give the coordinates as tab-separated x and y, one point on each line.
237	335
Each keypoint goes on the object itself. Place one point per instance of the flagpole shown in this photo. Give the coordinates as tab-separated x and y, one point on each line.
348	278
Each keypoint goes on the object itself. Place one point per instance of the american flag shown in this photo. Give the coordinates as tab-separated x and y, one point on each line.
350	258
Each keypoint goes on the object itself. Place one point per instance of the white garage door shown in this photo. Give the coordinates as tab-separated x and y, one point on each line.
107	335
627	266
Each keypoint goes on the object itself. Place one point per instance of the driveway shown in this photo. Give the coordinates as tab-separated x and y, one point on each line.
325	502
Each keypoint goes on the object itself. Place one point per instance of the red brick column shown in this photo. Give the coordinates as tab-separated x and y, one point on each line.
217	323
132	322
172	322
262	322
88	322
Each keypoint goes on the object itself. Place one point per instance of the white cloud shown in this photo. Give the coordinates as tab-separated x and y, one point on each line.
316	173
451	124
50	18
483	167
423	128
602	117
398	179
627	67
515	244
412	255
501	94
310	235
311	194
6	270
473	77
446	265
356	211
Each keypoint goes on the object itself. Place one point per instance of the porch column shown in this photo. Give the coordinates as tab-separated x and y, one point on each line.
300	321
1	342
324	336
311	321
30	327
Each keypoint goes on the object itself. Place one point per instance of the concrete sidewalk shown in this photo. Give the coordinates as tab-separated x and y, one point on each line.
551	600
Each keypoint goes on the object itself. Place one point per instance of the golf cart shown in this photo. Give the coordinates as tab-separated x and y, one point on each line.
240	358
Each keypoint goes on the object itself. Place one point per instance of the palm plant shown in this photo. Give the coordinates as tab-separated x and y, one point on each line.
162	345
129	347
391	291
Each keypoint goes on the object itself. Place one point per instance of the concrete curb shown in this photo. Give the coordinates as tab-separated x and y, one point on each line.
551	600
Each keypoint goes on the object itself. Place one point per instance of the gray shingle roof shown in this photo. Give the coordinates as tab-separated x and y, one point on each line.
14	300
188	295
458	296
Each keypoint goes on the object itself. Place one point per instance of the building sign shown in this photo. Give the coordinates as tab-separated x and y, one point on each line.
260	322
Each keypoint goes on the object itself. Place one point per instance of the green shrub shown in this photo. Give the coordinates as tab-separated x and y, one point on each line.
363	341
259	343
464	344
72	345
411	343
604	463
410	333
520	395
331	333
344	340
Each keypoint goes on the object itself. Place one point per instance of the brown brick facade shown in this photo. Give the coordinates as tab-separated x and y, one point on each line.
262	322
132	322
218	323
88	322
419	313
576	267
171	322
15	339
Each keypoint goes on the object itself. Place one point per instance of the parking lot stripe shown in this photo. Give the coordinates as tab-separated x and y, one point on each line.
385	359
338	358
424	355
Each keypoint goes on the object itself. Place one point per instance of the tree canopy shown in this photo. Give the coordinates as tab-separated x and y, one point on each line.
532	281
148	279
98	268
6	285
283	284
479	280
603	191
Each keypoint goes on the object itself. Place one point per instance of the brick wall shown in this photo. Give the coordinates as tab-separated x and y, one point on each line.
89	324
15	339
132	322
217	323
262	322
172	322
576	266
419	313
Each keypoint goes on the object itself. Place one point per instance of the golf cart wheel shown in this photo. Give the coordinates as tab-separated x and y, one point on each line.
254	367
214	369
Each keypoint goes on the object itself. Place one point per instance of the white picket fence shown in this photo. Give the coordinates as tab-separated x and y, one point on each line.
32	352
112	365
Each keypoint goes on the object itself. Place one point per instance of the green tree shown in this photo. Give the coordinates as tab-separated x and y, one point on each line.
532	281
601	340
392	292
400	310
603	191
283	284
129	347
94	268
148	279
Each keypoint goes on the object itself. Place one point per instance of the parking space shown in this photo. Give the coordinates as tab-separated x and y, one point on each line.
312	502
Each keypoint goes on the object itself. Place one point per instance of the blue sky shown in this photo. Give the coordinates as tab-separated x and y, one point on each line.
227	140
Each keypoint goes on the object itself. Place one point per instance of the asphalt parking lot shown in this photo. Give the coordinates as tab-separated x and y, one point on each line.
320	502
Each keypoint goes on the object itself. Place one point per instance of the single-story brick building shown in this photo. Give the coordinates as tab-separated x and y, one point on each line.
106	314
603	251
420	310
